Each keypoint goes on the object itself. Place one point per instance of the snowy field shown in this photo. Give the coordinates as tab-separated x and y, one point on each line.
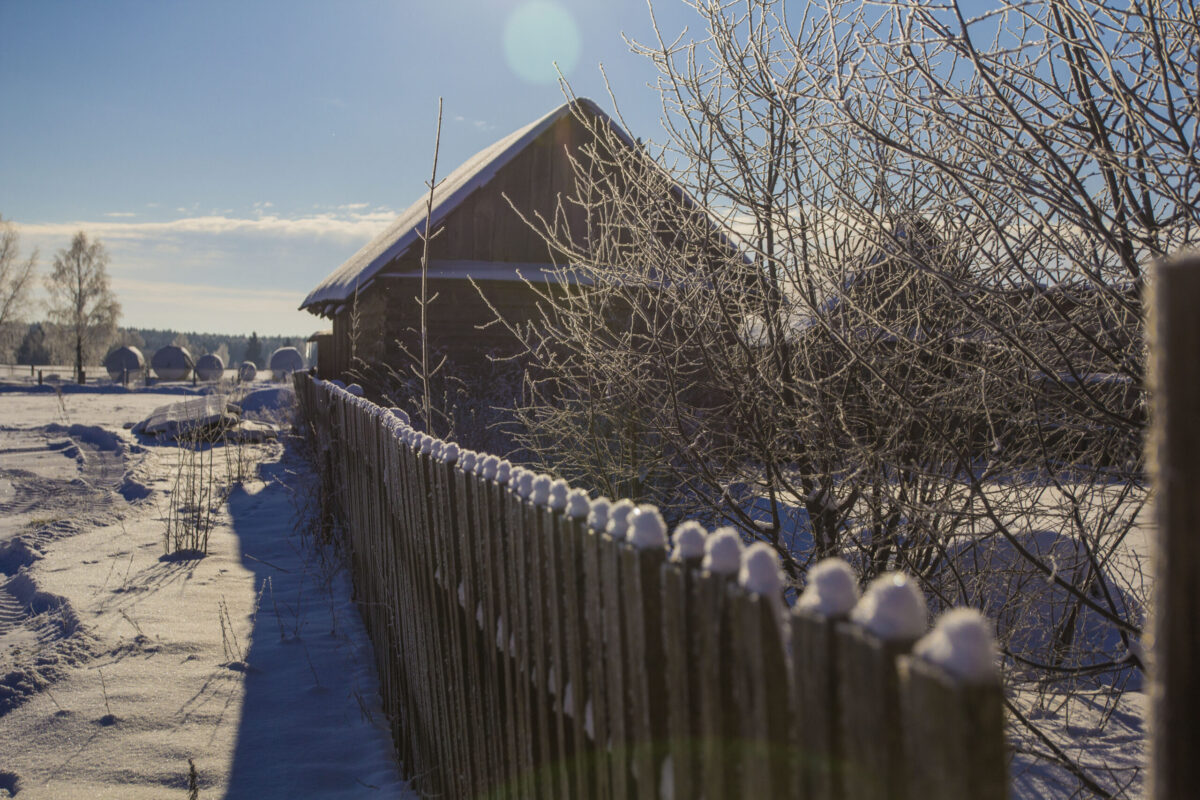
118	666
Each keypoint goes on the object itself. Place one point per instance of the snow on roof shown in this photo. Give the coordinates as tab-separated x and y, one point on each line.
360	270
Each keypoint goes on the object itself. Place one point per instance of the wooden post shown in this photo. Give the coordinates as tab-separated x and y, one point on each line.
953	735
869	699
815	708
1173	449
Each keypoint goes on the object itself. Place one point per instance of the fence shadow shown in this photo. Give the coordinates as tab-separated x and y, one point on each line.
304	729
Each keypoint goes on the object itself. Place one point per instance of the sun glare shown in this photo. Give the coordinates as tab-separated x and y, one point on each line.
537	36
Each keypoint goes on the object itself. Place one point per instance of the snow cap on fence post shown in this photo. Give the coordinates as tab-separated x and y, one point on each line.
466	462
722	552
688	540
832	589
558	494
450	452
961	643
539	490
893	608
436	447
426	443
618	519
525	483
578	504
646	528
760	572
355	390
503	471
489	467
597	518
400	414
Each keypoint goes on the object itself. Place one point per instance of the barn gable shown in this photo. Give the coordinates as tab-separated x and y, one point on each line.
480	258
531	166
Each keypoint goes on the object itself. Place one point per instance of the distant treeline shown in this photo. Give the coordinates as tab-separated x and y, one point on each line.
43	343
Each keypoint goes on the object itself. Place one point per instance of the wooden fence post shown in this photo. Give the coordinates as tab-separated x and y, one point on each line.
1174	456
953	735
869	706
815	707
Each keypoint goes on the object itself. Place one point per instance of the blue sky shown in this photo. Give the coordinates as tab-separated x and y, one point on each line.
231	154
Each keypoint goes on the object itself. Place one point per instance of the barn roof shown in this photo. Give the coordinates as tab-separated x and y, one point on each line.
361	268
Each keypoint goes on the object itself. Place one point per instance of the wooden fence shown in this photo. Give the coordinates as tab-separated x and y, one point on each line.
523	654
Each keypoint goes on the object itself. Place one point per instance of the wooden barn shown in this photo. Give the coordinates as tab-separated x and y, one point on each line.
481	254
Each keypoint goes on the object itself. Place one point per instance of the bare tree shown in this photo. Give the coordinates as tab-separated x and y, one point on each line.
931	357
16	277
81	300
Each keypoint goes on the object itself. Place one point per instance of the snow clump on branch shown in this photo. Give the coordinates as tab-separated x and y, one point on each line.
962	644
893	608
723	552
832	589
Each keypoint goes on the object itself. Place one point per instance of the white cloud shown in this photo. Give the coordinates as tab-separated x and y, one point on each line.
217	309
219	272
356	225
120	214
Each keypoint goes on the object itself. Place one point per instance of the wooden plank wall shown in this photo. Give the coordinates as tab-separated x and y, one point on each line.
522	654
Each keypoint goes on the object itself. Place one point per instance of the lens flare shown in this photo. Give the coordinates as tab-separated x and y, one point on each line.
538	35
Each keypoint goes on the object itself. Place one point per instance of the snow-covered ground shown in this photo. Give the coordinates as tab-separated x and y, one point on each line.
119	666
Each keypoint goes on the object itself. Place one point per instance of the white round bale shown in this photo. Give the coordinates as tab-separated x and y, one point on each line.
285	361
172	363
210	367
247	372
124	363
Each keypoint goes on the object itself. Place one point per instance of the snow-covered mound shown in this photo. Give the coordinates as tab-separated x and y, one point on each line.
274	399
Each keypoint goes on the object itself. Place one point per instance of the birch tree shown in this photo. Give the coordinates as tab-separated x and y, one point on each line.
81	301
16	278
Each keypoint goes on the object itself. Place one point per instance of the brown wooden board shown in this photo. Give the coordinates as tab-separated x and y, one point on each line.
815	708
953	735
869	701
